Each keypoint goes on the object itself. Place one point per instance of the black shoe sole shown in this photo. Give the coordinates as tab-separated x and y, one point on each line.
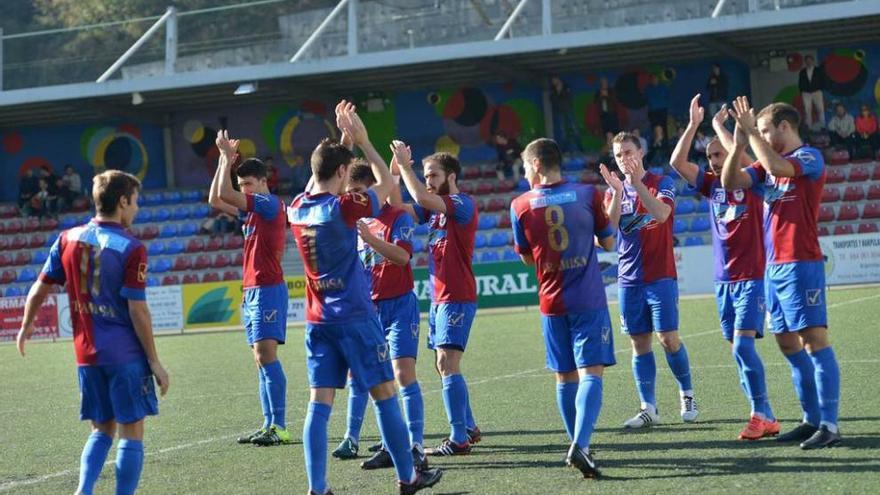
833	443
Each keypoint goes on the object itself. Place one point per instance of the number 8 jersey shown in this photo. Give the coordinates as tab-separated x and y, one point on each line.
556	225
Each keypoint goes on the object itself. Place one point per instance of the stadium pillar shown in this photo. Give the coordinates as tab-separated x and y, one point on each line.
171	41
548	110
168	148
546	18
1	59
352	27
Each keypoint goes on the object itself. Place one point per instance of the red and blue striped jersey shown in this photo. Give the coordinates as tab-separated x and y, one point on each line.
103	267
265	234
644	247
451	244
556	224
325	230
737	232
791	207
388	280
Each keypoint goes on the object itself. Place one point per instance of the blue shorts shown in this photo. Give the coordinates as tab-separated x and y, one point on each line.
578	340
264	312
400	319
740	306
334	350
124	393
795	294
649	307
449	325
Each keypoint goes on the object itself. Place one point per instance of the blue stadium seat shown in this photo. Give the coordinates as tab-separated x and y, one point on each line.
181	213
70	221
14	291
156	248
703	207
498	239
27	275
168	230
480	241
174	247
685	207
487	222
153	282
490	257
152	199
159	265
474	258
679	226
522	185
693	240
574	165
422	229
510	255
161	215
192	196
201	211
189	229
700	224
171	198
143	215
39	257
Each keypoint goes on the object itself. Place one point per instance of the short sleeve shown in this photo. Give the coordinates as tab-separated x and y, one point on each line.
601	223
757	172
135	284
666	190
704	182
807	162
402	232
520	243
53	270
265	205
357	205
422	215
460	208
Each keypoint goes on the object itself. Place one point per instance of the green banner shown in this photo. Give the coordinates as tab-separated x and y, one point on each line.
498	285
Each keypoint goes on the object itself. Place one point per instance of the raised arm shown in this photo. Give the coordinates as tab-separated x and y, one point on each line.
726	137
612	209
35	298
228	149
733	176
635	172
354	127
688	170
417	188
214	192
772	161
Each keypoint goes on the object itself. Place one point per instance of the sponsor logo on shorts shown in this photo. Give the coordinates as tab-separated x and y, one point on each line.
814	297
270	315
383	352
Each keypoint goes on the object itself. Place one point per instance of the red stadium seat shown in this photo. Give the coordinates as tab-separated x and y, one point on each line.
211	277
22	258
195	245
844	230
182	263
504	222
467	188
14	226
496	204
5	259
874	191
868	228
149	232
233	242
170	280
858	174
482	204
876	174
484	188
231	275
848	212
823	231
8	276
238	259
37	240
2	228
488	172
220	261
202	261
853	193
839	157
18	242
505	186
8	211
4	243
48	224
214	244
830	195
826	214
872	210
190	278
422	261
835	176
80	205
471	172
32	224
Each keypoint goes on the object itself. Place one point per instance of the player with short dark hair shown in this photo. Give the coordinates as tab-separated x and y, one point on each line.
555	228
385	248
264	308
737	244
343	331
792	175
642	209
452	216
105	270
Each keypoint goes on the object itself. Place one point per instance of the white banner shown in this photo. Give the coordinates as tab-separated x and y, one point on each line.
851	259
165	303
694	264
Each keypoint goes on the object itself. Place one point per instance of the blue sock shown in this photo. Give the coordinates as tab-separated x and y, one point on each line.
94	455
589	403
681	367
739	373
129	464
276	383
357	407
753	372
828	384
803	376
395	437
315	445
264	399
414	407
565	400
645	373
455	400
470	422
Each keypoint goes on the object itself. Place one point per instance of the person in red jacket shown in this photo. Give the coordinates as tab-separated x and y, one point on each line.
866	129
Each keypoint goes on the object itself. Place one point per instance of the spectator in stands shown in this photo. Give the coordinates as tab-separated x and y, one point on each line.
811	82
867	132
842	128
607	107
658	153
658	103
71	188
272	178
27	188
509	151
716	86
565	127
605	153
44	202
638	133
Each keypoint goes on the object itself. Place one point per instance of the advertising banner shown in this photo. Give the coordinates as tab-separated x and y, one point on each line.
12	311
851	259
218	304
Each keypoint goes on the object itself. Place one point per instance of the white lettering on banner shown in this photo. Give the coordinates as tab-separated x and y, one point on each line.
851	259
488	285
165	303
296	310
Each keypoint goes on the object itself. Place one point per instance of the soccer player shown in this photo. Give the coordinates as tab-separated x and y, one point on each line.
643	209
385	248
343	331
737	243
554	227
452	216
105	270
264	308
793	176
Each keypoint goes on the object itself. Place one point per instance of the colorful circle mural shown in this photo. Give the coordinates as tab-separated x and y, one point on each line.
296	132
115	148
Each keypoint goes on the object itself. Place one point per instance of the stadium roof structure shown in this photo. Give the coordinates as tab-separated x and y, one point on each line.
525	48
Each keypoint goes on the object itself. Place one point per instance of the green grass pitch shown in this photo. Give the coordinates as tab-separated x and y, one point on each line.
191	449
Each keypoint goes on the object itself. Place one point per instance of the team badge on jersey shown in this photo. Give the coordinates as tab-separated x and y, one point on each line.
719	195
626	208
360	198
739	195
